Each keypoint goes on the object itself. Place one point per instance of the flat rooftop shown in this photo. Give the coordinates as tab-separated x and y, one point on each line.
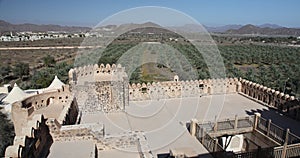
80	148
51	111
163	122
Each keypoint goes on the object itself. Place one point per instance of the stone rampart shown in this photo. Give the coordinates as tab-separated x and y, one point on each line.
178	89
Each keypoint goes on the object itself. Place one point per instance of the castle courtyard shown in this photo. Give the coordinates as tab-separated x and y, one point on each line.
163	123
101	114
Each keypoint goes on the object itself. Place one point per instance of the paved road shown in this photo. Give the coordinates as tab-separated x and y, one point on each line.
54	47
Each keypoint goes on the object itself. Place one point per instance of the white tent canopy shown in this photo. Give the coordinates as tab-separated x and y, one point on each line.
56	84
16	94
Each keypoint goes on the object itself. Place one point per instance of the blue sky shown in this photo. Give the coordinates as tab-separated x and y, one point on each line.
207	12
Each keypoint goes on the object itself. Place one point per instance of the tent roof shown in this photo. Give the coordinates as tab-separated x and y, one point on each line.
15	94
56	84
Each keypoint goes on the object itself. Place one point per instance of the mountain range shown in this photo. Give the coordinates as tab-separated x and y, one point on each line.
8	27
249	29
256	30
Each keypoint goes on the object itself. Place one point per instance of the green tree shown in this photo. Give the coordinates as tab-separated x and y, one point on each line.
6	133
250	74
42	78
49	61
21	69
5	70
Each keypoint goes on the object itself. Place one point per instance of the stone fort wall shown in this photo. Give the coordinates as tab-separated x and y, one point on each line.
32	128
35	140
90	76
100	88
270	97
96	88
62	98
42	100
177	89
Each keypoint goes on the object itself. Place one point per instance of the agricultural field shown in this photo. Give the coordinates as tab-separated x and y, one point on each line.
275	66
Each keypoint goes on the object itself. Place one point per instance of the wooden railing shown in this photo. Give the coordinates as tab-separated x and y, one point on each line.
278	152
271	130
259	153
275	132
292	150
214	147
288	143
293	139
228	126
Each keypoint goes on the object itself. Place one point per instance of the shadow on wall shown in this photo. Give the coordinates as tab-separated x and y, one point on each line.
278	119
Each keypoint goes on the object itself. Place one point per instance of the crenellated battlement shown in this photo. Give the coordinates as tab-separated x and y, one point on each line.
195	88
100	88
270	97
36	132
177	89
90	73
256	90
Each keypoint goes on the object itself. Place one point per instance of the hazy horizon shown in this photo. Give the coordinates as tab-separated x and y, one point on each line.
208	13
149	21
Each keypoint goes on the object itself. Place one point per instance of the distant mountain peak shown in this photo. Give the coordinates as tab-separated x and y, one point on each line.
268	25
265	29
149	23
8	27
249	26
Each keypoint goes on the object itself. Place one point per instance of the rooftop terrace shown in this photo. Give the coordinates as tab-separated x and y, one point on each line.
164	121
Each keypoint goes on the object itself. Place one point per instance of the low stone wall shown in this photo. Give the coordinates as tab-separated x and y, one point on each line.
45	99
91	131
